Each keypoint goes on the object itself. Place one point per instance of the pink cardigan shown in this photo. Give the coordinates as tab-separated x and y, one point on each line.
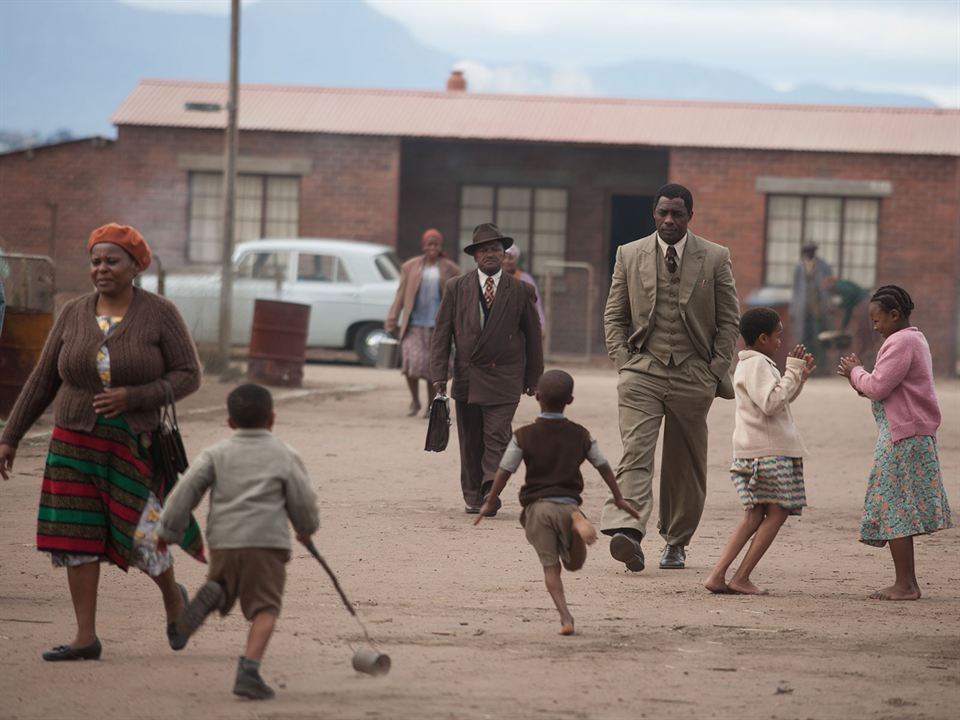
903	380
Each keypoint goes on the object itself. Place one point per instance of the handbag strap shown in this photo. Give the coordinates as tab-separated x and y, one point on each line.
169	414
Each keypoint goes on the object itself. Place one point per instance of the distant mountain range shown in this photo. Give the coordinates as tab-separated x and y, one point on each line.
65	66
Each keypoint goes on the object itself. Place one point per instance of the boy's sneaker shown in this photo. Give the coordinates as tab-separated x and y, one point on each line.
249	684
208	598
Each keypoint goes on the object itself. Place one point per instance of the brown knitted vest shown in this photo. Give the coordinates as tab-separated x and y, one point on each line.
553	451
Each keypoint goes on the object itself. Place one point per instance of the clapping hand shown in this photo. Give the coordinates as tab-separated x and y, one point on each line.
800	352
847	364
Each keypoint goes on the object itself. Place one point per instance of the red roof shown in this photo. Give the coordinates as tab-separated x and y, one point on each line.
540	118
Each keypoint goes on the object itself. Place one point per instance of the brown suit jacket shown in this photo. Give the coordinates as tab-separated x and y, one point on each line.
495	364
410	273
708	304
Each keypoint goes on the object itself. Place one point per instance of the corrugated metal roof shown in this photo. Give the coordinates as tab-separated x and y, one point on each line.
538	118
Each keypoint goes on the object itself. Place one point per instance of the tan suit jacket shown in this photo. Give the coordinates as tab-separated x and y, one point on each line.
410	273
494	364
708	304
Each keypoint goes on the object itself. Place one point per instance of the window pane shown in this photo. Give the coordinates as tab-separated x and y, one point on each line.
822	226
513	198
320	268
784	229
264	266
551	199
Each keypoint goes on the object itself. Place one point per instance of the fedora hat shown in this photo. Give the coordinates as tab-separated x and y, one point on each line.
484	233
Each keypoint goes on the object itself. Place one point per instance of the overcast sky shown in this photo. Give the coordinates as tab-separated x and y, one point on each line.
905	47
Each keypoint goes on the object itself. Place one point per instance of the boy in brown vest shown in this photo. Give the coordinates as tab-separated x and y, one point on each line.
553	449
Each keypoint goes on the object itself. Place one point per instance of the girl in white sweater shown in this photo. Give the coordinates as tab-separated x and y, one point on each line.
767	450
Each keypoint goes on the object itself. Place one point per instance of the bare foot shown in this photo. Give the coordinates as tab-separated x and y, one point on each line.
896	592
566	625
584	528
716	584
413	409
745	587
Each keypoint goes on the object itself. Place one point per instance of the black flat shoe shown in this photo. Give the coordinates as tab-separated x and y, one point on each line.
674	558
65	652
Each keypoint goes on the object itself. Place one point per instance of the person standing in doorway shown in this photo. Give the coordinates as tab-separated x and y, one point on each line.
811	303
418	298
490	318
671	324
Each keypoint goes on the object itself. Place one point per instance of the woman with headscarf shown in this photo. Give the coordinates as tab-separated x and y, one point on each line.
422	279
108	364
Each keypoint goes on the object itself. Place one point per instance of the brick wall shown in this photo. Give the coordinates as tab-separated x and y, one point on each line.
919	227
50	200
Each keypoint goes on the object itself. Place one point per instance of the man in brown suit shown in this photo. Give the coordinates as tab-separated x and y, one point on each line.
671	325
491	320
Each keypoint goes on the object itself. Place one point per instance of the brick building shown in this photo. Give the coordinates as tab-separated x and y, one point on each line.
570	178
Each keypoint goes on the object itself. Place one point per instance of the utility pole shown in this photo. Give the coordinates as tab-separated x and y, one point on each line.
222	359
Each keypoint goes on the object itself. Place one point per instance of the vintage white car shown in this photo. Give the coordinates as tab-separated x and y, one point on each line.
348	285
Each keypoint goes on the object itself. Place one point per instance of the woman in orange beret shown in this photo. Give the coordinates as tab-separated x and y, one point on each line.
106	366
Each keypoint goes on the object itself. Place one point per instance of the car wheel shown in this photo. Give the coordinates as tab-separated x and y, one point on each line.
366	340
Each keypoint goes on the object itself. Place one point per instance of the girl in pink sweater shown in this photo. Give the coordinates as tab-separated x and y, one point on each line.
905	495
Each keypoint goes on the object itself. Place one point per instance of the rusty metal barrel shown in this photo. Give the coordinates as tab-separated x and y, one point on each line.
278	343
22	339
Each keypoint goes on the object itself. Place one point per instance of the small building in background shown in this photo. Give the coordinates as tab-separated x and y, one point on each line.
570	178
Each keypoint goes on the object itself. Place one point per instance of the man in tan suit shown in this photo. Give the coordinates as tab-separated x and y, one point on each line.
491	319
671	324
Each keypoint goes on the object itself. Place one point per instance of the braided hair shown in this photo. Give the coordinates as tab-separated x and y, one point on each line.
892	297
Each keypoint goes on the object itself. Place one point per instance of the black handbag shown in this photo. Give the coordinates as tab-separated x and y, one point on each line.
170	449
438	429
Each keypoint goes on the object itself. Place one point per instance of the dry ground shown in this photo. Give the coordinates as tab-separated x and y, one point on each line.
463	612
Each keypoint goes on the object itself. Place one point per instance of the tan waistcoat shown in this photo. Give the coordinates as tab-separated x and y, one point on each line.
668	339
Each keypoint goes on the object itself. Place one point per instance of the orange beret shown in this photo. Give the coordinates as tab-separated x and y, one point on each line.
127	237
432	232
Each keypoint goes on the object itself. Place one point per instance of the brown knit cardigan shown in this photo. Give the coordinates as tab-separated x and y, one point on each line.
151	345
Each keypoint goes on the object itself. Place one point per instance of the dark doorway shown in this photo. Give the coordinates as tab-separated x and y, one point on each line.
631	217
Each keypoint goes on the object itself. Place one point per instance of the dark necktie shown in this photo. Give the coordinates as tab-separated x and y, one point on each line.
488	290
671	259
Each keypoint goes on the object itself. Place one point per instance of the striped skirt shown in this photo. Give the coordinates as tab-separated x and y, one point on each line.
775	480
95	487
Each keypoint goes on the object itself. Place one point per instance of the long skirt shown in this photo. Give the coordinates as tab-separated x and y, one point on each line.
96	486
905	495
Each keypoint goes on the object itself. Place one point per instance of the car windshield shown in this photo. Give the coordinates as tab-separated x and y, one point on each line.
388	265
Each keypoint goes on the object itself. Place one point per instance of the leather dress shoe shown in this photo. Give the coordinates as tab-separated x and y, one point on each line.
471	509
674	558
65	652
627	550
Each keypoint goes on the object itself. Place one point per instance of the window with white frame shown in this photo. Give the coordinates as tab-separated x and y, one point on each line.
844	228
266	206
535	217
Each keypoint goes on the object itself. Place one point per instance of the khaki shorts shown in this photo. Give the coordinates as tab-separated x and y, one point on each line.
549	529
255	576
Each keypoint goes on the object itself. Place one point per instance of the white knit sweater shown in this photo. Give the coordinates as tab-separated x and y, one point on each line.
764	425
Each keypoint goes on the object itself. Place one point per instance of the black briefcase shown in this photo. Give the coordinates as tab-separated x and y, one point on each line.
438	429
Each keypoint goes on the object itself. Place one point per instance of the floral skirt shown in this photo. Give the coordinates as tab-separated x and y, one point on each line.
100	499
415	351
773	480
905	495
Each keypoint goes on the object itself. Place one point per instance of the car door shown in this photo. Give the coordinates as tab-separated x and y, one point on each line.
260	274
323	282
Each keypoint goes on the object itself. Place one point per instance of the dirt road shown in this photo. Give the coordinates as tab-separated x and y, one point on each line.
463	612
